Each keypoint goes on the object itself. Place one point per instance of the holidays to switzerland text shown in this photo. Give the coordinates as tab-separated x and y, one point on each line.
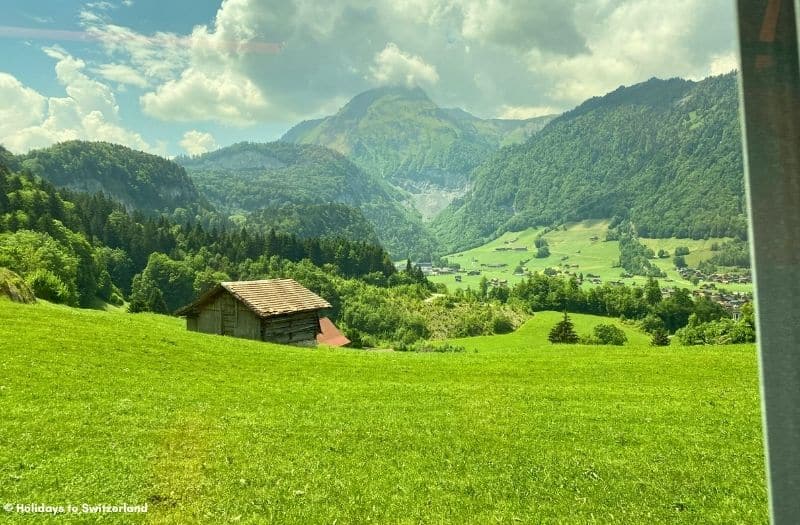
81	508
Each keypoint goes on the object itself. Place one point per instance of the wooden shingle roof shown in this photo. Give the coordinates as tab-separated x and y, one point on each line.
266	298
276	296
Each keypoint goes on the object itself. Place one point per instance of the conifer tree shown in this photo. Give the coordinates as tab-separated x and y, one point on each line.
563	332
659	338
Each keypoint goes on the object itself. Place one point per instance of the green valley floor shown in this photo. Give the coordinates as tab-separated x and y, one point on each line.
578	247
104	407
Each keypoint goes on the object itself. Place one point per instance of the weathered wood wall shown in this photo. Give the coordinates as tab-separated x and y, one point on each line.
299	328
226	316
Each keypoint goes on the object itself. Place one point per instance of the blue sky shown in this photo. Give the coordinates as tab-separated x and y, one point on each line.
178	76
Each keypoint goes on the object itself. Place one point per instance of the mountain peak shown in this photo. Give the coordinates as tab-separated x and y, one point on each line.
357	106
397	133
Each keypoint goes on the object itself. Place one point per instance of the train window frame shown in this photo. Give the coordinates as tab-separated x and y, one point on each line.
769	91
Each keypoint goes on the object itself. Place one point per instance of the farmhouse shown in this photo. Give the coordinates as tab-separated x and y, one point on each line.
274	310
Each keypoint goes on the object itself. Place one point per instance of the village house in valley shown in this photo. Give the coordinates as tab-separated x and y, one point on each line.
273	310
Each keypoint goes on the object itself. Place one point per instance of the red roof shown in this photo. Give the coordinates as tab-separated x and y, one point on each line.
330	335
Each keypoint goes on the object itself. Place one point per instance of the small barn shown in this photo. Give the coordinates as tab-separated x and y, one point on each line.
273	310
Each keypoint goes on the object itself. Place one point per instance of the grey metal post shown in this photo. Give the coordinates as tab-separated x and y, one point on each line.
770	95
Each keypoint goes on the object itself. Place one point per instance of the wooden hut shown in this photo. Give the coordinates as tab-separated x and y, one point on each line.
274	310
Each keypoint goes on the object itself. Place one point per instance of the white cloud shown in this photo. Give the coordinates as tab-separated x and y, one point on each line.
87	94
196	77
724	63
197	142
522	24
393	66
526	112
89	110
121	74
197	95
21	106
628	43
282	61
103	6
89	17
156	58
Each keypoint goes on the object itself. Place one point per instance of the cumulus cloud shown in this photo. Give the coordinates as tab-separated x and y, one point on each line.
198	95
724	63
629	42
156	58
122	74
280	62
197	77
89	110
523	25
393	66
21	106
197	142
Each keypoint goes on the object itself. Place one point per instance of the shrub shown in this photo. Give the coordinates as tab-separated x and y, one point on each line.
116	298
406	336
105	287
46	285
660	338
652	324
469	325
608	334
428	346
721	332
501	324
146	297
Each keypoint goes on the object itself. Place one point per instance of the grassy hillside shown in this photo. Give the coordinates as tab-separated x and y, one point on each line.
209	429
533	334
598	257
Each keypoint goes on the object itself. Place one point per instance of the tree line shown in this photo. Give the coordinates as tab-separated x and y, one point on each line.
76	247
693	320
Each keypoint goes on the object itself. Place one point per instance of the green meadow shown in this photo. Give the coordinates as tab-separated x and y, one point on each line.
100	407
572	245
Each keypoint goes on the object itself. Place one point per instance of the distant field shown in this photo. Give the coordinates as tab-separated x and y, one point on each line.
595	257
103	407
699	250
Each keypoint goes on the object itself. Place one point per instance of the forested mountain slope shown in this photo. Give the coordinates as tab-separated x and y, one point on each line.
664	153
248	177
138	180
315	220
75	248
400	135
